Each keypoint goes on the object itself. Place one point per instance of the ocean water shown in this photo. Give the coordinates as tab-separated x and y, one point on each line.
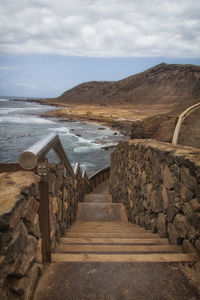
21	126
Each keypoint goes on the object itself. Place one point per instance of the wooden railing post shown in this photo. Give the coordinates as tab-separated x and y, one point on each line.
34	157
44	211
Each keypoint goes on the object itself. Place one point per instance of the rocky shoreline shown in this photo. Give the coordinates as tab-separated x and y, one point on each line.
121	127
120	119
141	122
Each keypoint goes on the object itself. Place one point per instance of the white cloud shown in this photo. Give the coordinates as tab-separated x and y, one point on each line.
101	27
27	85
9	68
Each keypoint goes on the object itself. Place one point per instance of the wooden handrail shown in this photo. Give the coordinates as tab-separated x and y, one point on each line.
34	159
29	158
99	177
101	171
76	168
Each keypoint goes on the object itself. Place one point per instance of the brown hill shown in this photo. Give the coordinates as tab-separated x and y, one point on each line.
154	98
162	84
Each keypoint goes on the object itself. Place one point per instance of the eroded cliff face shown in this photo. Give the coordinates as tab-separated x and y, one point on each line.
162	84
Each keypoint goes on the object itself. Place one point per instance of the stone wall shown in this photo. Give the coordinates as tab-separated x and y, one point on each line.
159	185
20	238
20	234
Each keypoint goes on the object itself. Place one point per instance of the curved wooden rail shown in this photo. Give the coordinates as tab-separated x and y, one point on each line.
180	121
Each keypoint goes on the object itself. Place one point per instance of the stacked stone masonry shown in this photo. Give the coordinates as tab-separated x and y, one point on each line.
159	185
20	235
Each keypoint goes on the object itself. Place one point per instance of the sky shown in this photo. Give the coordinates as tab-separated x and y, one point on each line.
48	46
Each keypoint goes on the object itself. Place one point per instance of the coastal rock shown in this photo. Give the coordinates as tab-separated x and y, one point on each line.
155	201
25	286
169	179
165	198
171	212
197	244
188	247
182	225
162	225
186	194
173	235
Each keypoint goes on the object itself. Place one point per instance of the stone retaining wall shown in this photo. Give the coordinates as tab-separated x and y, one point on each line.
20	238
20	235
159	185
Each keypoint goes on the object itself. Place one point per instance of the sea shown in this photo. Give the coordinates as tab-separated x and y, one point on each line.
21	125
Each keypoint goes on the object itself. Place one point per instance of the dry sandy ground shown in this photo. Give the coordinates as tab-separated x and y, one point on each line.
108	114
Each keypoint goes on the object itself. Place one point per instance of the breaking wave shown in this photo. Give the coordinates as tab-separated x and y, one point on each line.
25	120
4	100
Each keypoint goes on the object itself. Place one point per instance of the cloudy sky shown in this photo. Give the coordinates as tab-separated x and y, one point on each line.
49	46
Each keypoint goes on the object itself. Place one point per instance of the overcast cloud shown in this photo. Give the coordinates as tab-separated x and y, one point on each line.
100	27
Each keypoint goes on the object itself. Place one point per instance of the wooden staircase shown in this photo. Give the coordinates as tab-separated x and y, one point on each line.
102	233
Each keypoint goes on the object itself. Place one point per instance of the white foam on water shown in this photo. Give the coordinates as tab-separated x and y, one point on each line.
85	165
60	129
4	100
25	120
85	149
82	149
82	140
64	131
5	111
19	110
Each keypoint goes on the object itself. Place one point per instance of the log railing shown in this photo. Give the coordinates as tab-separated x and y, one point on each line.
99	177
73	185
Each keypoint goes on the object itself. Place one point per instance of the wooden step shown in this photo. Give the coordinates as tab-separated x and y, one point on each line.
106	230
115	227
102	233
98	198
112	234
136	241
102	223
101	212
124	257
118	248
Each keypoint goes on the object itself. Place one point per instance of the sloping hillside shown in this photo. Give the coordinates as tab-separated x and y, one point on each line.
154	98
162	84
